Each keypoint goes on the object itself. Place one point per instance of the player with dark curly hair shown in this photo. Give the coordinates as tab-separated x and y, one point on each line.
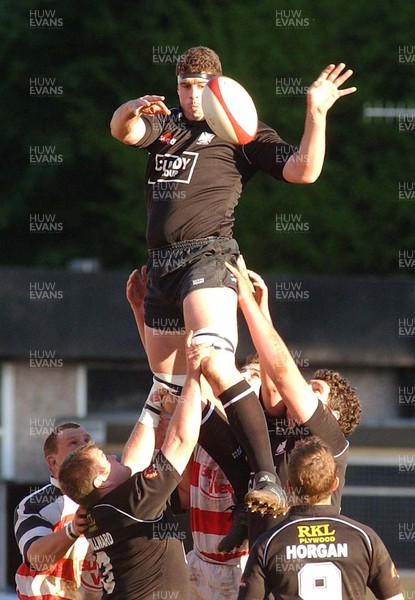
198	59
342	400
326	406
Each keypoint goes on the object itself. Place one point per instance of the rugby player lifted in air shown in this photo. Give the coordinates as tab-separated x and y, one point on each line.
193	184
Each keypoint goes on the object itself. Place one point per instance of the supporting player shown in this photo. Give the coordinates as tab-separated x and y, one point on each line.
131	526
327	405
49	528
193	183
314	552
214	571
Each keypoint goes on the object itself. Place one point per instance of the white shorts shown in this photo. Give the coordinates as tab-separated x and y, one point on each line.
212	581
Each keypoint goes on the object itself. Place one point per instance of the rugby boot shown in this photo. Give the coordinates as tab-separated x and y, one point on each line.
238	532
267	497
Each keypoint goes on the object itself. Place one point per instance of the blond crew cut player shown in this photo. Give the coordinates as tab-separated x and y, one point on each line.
137	541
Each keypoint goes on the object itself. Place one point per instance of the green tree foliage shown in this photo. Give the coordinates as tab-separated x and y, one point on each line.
101	53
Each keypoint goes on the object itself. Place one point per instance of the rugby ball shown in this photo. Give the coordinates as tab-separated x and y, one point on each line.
229	110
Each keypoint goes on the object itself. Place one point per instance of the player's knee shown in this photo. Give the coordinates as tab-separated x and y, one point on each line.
219	370
219	367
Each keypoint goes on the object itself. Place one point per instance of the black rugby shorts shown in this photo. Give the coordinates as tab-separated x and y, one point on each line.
177	269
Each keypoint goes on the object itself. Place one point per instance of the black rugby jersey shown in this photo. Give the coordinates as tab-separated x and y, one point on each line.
194	179
317	554
323	424
136	538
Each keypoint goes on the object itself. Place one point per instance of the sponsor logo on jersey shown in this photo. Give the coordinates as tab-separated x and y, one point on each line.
92	526
237	452
281	448
167	138
316	541
151	472
205	138
213	483
172	167
308	534
90	578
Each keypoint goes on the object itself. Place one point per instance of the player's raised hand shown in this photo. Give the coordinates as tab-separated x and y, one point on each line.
246	289
324	91
136	287
260	292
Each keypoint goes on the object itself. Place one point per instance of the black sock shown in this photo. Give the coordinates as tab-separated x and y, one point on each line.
218	440
247	420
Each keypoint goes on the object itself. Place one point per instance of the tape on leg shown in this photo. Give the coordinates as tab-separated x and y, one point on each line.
150	415
173	383
207	336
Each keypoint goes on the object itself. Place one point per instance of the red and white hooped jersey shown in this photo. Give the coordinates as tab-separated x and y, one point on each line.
210	509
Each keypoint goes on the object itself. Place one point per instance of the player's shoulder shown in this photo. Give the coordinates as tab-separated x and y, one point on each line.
353	529
354	524
262	150
39	498
265	132
325	425
162	128
272	535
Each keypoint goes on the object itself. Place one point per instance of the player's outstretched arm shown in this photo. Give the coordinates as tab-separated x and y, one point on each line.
139	448
126	123
47	550
277	360
305	165
271	397
183	432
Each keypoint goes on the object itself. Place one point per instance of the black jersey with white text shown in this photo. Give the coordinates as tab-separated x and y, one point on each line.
136	538
317	554
323	424
194	178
